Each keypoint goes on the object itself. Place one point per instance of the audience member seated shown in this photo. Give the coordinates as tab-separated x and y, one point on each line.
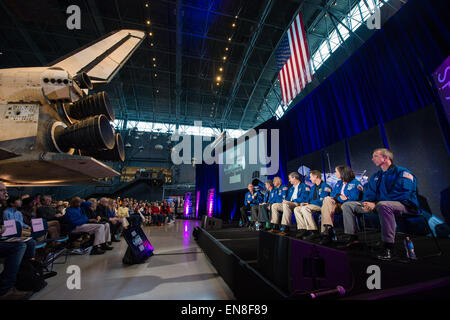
298	193
252	199
347	188
28	210
12	213
165	210
114	223
303	214
156	215
390	191
48	212
13	253
79	222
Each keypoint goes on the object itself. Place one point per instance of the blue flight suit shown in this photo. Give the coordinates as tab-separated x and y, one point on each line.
323	190
394	184
302	193
269	198
352	190
394	191
251	202
280	193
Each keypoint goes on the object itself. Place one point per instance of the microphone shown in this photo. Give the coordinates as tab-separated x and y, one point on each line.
320	293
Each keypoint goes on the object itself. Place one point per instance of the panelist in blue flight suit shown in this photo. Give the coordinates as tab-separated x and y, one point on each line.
347	188
296	194
252	200
390	191
303	214
279	193
269	197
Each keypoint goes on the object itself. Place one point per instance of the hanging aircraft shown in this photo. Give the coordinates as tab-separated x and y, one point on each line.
52	131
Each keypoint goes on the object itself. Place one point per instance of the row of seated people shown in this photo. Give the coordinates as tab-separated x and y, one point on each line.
390	191
104	219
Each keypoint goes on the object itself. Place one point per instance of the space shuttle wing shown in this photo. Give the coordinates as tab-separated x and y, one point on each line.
102	59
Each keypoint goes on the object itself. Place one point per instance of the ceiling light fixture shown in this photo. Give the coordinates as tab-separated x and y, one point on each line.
220	69
229	39
147	22
219	78
224	58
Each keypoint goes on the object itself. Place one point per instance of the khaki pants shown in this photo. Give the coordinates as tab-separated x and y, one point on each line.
286	208
329	208
54	229
303	215
101	232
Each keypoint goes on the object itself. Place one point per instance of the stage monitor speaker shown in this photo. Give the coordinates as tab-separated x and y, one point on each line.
314	267
210	223
139	247
273	258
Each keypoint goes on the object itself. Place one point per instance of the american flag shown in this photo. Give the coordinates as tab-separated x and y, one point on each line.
293	61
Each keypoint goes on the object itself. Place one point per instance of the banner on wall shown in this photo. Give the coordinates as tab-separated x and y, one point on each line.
441	79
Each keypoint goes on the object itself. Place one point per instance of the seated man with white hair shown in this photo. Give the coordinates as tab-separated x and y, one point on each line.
79	222
298	193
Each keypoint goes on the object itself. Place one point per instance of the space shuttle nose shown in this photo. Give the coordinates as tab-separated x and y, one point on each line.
83	80
92	133
91	105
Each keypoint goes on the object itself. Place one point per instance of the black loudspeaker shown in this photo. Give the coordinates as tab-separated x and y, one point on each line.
313	267
273	258
298	267
210	223
139	247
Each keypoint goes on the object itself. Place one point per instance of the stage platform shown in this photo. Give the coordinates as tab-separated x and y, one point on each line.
261	265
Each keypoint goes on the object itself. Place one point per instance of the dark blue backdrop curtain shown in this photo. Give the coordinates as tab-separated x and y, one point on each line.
388	77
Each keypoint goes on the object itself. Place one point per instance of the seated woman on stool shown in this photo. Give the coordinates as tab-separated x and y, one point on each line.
348	188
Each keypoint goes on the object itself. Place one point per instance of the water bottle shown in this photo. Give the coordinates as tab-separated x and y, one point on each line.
409	247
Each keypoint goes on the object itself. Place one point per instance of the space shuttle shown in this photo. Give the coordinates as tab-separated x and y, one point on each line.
52	131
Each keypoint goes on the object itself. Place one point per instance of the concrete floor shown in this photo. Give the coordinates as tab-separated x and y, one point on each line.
174	272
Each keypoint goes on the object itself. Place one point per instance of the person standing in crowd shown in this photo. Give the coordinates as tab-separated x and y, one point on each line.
392	190
79	222
304	214
13	253
348	188
252	200
49	213
298	193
